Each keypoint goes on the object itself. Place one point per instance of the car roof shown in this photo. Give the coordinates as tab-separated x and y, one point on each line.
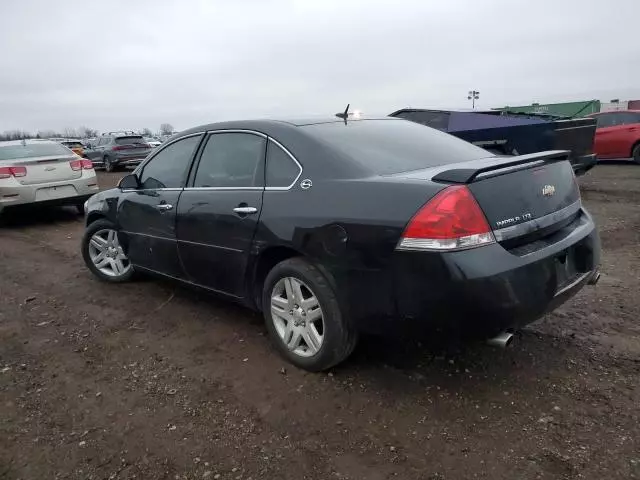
27	141
267	125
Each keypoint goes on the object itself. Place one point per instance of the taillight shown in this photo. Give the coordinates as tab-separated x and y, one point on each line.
119	147
8	172
75	165
452	220
86	164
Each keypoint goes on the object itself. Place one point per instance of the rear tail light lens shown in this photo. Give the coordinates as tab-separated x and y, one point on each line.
86	164
8	172
452	220
118	147
75	165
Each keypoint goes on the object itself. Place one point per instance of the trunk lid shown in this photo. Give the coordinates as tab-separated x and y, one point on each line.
45	169
528	194
522	197
131	146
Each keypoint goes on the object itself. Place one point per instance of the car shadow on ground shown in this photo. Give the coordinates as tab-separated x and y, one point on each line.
29	216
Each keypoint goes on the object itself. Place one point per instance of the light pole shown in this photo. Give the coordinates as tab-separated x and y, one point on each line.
473	96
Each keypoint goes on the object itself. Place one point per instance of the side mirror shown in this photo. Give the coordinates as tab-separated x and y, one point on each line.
130	182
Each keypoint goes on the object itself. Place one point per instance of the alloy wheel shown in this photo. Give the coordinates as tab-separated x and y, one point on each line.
297	316
107	254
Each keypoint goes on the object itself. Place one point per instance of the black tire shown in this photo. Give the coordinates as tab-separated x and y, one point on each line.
91	229
635	154
80	209
108	165
340	337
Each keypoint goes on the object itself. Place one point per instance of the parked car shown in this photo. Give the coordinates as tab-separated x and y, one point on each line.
75	146
618	135
153	143
43	172
514	133
116	150
335	227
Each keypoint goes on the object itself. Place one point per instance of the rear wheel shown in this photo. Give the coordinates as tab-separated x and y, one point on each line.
108	164
103	254
304	318
635	154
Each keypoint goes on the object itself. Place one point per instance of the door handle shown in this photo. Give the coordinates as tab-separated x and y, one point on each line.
245	210
163	207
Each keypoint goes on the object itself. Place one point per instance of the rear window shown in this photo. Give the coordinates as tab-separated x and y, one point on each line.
13	152
129	140
394	146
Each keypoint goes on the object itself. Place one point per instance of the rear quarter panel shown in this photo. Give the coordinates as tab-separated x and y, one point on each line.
348	227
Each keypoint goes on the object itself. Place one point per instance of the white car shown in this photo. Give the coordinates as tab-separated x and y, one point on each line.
152	142
44	172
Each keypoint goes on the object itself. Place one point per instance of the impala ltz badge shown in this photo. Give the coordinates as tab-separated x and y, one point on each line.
306	184
548	190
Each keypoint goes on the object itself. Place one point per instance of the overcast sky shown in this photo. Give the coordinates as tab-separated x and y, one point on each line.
132	64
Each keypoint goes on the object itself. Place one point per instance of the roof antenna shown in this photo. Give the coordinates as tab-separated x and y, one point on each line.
344	115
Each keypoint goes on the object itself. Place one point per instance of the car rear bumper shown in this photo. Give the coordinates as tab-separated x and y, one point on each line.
483	291
583	164
58	193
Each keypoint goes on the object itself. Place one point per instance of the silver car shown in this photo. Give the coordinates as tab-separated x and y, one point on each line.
44	172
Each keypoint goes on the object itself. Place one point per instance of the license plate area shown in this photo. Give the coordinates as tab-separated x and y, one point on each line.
567	270
52	193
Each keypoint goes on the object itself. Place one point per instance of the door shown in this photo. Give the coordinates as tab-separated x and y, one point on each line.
91	153
629	133
610	136
219	211
147	216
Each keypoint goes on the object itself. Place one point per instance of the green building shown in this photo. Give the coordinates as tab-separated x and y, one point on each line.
567	109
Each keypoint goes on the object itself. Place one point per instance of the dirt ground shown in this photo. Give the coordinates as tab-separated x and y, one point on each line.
150	380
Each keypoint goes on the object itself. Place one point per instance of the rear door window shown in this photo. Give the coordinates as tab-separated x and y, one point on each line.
231	160
394	146
282	170
167	169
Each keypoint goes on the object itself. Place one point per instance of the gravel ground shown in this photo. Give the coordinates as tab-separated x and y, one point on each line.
151	380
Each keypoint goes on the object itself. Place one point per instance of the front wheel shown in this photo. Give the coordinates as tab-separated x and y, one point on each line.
303	316
103	254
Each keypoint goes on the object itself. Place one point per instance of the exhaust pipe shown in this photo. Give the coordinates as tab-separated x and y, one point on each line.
502	340
594	278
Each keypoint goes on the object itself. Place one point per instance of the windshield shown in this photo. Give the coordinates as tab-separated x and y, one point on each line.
129	140
13	152
393	146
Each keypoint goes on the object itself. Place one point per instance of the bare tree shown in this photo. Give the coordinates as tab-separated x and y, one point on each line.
147	132
70	132
166	129
15	135
86	132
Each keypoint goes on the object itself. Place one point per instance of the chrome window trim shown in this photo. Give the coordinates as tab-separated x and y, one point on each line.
513	231
160	149
230	130
295	160
213	132
221	188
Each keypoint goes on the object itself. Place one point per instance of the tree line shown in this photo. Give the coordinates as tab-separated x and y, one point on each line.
80	132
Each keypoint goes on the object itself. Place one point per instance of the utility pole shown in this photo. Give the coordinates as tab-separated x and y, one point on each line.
473	96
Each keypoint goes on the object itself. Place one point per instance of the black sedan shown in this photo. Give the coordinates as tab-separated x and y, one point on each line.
334	227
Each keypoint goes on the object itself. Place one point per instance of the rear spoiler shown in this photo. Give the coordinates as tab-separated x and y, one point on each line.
499	165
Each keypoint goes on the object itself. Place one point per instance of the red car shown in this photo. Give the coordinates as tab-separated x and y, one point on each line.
618	135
